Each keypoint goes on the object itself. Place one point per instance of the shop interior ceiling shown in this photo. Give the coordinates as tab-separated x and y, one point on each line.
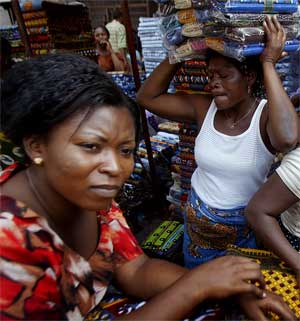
101	10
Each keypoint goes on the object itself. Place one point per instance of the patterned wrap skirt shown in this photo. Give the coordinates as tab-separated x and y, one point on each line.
208	231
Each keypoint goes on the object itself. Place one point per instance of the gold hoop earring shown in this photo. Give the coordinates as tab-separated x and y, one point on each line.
38	161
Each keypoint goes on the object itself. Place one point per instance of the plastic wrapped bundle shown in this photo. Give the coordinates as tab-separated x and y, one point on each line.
250	35
252	19
196	4
261	6
152	42
193	48
240	51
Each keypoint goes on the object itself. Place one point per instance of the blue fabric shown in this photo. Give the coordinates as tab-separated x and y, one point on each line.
208	231
260	8
256	49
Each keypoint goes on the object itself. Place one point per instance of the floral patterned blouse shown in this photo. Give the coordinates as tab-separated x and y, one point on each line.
42	278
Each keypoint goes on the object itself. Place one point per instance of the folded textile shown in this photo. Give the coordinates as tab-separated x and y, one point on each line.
187	16
261	8
185	86
193	29
34	15
249	35
250	19
239	52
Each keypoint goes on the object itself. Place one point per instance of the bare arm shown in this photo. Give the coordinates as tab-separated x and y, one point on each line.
268	203
282	124
154	97
118	63
175	291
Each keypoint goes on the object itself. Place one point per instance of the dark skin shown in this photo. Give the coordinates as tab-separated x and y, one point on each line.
278	124
85	161
272	199
104	48
229	86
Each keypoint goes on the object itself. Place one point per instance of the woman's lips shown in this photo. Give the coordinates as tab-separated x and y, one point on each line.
106	191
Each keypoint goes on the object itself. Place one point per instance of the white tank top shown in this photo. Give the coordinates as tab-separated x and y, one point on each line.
230	168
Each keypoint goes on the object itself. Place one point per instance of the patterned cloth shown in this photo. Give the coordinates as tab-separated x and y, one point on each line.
46	280
117	33
279	278
208	231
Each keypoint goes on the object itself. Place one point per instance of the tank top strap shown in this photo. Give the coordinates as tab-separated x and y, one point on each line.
258	112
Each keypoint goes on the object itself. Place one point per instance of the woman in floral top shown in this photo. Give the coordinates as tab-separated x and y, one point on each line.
63	238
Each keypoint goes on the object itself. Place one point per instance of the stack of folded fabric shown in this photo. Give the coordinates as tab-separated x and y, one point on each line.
36	23
165	240
240	29
233	28
192	76
183	166
126	82
183	30
151	40
12	35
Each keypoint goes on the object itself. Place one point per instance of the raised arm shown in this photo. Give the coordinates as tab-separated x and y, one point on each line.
180	107
282	124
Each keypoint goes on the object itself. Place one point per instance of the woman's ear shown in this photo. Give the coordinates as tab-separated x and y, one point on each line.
251	77
34	147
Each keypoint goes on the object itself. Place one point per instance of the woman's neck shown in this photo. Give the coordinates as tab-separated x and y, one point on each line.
239	110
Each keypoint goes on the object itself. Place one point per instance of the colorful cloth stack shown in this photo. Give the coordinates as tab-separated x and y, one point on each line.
36	23
240	26
192	76
165	240
152	44
233	28
183	166
126	82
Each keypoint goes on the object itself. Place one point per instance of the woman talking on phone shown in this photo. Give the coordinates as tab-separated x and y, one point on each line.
108	60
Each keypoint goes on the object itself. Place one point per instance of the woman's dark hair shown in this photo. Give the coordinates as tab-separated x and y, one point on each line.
117	13
104	29
251	63
42	92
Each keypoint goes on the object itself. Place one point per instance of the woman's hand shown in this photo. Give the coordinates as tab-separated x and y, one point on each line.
227	276
256	309
275	40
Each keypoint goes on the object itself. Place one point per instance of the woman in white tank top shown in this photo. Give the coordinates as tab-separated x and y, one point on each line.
238	137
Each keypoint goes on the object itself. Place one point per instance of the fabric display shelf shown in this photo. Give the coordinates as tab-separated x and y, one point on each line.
234	28
289	71
36	23
126	82
12	35
183	166
55	26
70	28
136	196
192	76
152	44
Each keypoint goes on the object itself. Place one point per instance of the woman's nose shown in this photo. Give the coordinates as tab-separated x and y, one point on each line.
110	164
214	82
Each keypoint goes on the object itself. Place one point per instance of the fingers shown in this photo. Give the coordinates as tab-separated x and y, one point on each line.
272	26
277	305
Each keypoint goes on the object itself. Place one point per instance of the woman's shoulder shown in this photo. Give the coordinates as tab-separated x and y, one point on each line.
289	171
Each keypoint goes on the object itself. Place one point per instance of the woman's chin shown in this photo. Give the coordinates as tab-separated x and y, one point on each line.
221	102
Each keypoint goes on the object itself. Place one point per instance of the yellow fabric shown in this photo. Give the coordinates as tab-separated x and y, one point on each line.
279	278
